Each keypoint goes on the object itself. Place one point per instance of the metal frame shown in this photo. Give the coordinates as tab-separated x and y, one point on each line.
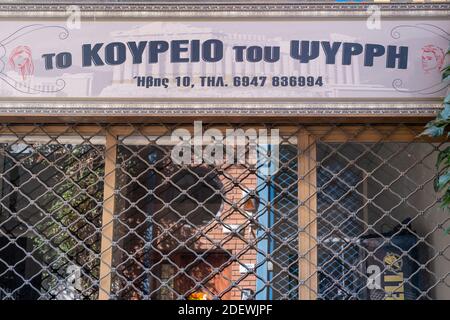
307	216
109	202
307	136
223	108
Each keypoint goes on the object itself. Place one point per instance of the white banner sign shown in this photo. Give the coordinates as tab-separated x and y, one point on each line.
223	59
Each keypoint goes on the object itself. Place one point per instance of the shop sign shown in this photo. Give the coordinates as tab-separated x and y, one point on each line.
223	59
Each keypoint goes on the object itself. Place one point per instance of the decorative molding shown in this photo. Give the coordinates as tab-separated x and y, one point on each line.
216	109
199	9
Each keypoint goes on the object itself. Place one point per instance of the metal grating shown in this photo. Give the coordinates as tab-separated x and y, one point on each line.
105	212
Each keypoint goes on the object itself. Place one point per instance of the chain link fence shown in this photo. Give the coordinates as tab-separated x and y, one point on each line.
105	212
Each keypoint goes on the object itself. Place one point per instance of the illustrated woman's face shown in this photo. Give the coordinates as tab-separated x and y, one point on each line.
429	61
20	59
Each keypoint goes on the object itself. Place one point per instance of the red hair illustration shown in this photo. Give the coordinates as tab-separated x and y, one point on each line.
21	60
432	58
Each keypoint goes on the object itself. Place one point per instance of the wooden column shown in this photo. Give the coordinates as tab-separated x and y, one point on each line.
108	217
307	216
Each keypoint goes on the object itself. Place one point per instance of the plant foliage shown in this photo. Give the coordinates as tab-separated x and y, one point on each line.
440	127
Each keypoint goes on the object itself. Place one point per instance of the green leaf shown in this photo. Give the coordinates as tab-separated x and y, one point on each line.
446	73
442	181
434	131
447	99
446	200
443	157
445	113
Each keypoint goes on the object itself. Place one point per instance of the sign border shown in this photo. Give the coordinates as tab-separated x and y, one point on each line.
200	9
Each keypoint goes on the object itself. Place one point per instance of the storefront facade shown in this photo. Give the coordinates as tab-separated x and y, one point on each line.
222	151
